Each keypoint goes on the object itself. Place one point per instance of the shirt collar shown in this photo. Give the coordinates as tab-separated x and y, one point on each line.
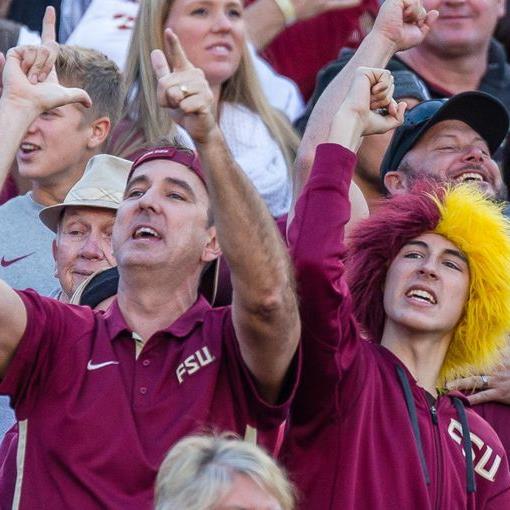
115	322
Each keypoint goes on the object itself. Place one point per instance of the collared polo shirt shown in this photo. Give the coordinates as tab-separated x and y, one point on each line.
96	420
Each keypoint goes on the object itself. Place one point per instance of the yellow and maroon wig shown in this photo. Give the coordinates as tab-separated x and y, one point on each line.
476	226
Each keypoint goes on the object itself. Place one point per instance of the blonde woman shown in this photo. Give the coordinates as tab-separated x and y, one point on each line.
213	35
212	473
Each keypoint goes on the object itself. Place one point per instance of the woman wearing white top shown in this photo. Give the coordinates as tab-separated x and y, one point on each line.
213	35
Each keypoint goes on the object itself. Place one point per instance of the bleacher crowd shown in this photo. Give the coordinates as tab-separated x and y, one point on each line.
224	289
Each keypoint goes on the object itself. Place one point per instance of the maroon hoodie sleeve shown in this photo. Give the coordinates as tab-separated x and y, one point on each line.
316	245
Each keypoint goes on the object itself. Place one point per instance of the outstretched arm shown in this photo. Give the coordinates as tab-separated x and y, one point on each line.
322	211
30	87
400	24
264	304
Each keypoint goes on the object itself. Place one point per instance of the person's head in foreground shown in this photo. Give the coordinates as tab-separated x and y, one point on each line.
434	264
221	473
449	140
83	222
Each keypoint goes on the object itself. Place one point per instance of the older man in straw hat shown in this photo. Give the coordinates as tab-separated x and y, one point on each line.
83	223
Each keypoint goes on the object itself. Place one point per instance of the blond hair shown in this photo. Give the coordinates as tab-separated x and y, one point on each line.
199	470
150	122
97	75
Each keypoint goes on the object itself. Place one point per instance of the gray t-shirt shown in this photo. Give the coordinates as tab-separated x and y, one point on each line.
26	261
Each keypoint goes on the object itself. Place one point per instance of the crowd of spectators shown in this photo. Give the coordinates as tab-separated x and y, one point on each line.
255	256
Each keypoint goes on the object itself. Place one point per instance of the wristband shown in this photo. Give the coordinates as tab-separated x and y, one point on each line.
288	11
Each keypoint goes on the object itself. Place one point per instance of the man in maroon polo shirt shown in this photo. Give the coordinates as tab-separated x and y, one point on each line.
100	398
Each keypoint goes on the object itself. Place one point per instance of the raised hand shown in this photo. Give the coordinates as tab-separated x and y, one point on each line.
28	76
404	23
38	61
184	89
371	92
493	387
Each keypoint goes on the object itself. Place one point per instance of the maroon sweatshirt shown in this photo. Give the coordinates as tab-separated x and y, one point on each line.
498	415
363	434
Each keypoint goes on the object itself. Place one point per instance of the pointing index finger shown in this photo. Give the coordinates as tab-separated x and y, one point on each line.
48	33
178	59
159	64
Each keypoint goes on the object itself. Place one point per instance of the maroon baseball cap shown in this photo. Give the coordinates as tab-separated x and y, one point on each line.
184	156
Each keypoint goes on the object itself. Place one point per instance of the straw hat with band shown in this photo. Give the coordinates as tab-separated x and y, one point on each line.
102	185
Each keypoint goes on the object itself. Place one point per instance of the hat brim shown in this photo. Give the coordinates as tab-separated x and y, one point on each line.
51	215
104	284
483	113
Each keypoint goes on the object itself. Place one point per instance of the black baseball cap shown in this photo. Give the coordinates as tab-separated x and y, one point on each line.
482	112
408	85
105	284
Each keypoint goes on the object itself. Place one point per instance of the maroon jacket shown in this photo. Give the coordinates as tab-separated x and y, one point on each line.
498	415
363	434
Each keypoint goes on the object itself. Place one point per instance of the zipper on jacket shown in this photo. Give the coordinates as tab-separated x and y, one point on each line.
438	456
433	414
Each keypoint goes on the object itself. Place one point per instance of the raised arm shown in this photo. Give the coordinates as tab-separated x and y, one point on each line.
30	87
264	304
400	24
322	211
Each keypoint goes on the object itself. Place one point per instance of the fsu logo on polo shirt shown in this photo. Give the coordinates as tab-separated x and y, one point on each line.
194	363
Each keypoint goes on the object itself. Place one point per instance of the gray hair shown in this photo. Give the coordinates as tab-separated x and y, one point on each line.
199	470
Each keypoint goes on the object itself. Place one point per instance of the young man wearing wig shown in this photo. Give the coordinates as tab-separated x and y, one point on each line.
420	299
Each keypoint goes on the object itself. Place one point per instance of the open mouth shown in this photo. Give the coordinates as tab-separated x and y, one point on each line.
220	48
469	177
28	148
422	295
145	233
